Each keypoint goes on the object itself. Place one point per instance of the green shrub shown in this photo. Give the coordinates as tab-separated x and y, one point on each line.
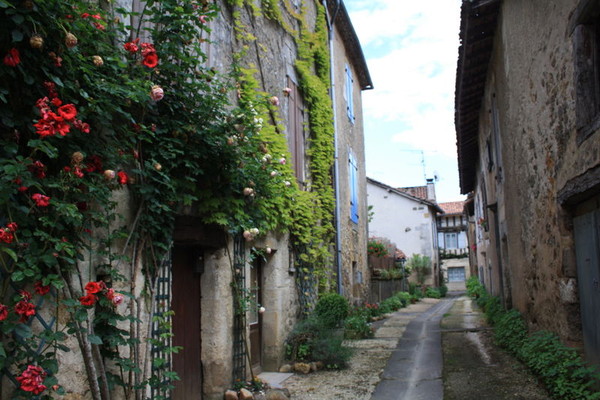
443	290
332	309
433	293
376	248
415	290
404	297
493	309
357	327
421	265
330	351
390	304
312	340
510	331
474	287
561	369
373	310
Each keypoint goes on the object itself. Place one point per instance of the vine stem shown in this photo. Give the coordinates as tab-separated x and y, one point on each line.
86	351
237	298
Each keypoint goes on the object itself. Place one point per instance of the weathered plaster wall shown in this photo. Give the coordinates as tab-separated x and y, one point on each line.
533	69
280	299
355	271
406	222
216	322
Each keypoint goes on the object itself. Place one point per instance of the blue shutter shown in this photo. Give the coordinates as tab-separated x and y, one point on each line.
349	94
353	172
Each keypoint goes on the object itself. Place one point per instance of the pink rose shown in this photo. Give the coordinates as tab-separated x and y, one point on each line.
157	93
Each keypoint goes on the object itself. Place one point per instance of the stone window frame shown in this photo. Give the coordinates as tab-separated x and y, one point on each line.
584	27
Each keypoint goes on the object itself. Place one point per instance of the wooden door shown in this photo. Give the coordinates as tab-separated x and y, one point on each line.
186	322
255	317
587	248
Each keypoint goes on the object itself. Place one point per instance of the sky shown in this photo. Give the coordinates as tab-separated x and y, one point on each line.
411	48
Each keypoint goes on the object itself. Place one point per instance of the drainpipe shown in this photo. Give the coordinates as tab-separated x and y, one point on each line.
336	167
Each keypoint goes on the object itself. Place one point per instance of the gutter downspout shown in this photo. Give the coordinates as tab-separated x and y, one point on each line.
336	167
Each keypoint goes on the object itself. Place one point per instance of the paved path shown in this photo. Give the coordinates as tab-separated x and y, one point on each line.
414	370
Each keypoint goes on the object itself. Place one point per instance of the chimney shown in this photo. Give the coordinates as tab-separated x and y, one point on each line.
430	190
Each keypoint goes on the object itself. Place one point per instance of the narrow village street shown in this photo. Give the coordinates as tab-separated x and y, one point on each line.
434	349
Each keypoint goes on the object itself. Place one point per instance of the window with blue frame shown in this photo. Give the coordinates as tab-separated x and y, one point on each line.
353	175
349	94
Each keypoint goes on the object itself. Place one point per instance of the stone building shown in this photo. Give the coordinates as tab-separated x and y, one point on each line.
273	279
453	244
408	220
527	129
350	77
224	341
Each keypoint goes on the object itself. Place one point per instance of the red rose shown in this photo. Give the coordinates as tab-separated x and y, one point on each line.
82	126
147	48
85	15
88	300
94	164
13	58
94	287
150	59
56	102
32	379
41	200
41	289
6	236
38	169
3	312
131	46
123	178
25	309
68	112
12	226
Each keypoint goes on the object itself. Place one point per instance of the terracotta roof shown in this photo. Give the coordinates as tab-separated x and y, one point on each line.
416	191
478	22
453	207
399	254
406	194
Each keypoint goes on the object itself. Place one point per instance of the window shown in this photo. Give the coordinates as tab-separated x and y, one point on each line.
586	50
451	240
353	176
349	94
295	129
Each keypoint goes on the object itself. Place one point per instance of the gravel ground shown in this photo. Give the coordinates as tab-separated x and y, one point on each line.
370	357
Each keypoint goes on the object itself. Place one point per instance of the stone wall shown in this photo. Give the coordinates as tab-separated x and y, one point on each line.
531	80
355	272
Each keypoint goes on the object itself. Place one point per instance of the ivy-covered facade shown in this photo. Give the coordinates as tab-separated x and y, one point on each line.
170	191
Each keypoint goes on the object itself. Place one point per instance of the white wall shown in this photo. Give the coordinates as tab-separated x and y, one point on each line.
406	222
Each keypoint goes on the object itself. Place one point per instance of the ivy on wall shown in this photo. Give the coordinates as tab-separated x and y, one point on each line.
104	137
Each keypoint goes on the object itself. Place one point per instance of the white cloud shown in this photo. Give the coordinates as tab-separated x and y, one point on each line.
411	49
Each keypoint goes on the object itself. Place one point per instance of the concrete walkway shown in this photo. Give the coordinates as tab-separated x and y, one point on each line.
414	370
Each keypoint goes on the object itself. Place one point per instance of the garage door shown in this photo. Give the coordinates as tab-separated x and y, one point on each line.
456	274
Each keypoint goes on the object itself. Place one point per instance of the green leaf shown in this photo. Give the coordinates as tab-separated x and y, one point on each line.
17	35
18	19
10	252
57	80
95	339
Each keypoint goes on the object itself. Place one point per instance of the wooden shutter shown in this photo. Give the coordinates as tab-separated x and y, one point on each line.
349	94
353	175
